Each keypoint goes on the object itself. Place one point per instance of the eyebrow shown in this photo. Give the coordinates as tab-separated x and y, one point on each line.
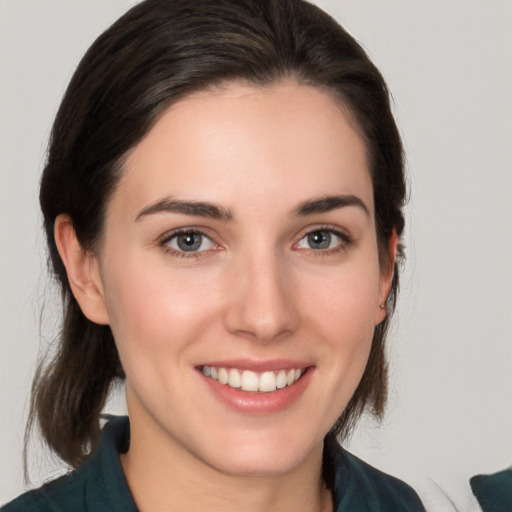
213	211
329	203
196	208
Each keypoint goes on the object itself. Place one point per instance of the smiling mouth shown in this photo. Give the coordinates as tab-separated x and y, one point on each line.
247	380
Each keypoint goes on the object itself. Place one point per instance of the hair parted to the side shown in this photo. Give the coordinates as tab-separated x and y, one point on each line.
157	53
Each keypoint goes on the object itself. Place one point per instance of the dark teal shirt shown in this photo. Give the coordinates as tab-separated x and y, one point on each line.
98	485
494	492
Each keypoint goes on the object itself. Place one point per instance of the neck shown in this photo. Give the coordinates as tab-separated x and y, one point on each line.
164	476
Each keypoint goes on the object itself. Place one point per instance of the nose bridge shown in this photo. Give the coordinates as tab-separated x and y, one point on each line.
262	304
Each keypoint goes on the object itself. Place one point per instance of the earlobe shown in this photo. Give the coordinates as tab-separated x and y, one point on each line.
387	278
82	269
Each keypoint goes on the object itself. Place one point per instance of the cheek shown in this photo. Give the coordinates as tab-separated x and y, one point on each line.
154	322
154	311
342	311
347	298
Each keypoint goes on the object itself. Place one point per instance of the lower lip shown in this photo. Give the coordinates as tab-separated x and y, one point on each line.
259	403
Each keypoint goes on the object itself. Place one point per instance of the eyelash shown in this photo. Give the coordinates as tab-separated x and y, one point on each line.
345	241
167	238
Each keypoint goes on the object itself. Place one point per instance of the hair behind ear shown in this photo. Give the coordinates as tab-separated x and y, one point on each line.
70	390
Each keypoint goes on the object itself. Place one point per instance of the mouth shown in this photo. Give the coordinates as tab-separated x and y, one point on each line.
248	380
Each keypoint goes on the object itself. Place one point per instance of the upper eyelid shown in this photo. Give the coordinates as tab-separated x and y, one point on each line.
337	230
168	235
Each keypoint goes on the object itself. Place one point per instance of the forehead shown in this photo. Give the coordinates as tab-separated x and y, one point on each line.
259	144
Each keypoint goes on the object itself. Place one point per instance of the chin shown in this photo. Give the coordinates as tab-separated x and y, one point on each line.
257	454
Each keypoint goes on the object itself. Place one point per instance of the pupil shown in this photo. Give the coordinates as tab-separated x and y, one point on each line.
189	241
319	240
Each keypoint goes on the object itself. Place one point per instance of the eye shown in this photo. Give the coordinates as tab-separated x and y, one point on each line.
322	240
189	241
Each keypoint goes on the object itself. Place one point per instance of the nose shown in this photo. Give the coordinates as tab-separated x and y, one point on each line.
262	305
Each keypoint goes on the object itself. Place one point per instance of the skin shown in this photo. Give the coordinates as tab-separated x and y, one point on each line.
256	291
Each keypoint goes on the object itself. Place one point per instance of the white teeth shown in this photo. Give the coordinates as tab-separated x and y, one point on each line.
281	380
223	376
267	382
248	380
234	378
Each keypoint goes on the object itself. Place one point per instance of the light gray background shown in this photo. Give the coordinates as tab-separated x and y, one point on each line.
448	65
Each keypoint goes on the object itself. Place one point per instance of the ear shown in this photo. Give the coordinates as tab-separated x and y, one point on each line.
386	278
83	271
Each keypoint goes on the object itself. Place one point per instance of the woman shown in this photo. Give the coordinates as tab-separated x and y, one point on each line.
222	203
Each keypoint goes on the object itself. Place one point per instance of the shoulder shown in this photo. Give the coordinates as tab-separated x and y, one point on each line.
493	492
64	493
357	486
98	485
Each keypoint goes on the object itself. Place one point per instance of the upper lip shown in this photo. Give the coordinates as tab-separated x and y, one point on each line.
258	365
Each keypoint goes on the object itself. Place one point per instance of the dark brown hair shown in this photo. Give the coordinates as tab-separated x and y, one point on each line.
157	53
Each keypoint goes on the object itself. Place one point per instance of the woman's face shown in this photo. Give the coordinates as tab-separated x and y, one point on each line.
239	254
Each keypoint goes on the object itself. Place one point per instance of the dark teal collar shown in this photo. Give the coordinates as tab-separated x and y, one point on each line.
107	488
